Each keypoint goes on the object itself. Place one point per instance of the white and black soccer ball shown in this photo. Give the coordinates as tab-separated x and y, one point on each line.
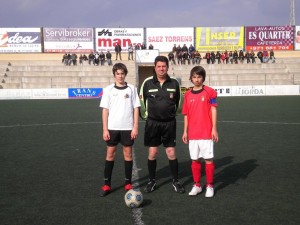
133	198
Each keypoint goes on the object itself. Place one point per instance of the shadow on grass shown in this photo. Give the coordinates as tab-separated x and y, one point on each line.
226	176
233	173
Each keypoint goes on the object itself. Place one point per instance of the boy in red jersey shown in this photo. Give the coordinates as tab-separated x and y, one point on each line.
200	129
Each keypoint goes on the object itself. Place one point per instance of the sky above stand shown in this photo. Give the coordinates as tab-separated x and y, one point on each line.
141	13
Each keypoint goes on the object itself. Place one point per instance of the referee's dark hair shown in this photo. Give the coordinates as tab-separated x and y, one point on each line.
119	66
199	70
161	58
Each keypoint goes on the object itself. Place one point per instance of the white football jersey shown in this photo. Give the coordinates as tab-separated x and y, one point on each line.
120	102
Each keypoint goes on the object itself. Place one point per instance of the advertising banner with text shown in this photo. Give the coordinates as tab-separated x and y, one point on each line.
219	38
18	40
73	40
85	92
107	38
297	37
164	39
269	37
257	90
53	93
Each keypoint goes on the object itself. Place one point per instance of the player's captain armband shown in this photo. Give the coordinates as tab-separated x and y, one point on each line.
213	101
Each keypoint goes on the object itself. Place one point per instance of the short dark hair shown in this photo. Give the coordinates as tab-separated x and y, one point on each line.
199	70
161	58
119	66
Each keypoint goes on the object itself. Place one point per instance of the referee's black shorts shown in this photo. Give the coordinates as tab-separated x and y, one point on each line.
158	132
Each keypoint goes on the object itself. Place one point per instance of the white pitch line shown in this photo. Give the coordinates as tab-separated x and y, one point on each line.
137	213
260	122
46	124
180	121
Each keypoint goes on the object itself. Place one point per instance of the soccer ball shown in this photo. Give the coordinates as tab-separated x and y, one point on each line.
133	198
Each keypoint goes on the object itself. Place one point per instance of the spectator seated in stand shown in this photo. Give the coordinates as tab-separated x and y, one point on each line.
108	58
260	56
252	56
272	56
171	57
102	58
91	58
265	56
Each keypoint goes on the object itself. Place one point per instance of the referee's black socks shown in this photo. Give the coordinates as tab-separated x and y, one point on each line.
174	168
152	169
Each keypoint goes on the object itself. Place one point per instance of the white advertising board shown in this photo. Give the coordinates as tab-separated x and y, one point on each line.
55	93
107	38
259	90
283	90
164	39
59	93
74	40
19	40
146	56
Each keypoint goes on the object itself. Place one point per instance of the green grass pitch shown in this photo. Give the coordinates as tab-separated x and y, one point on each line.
52	155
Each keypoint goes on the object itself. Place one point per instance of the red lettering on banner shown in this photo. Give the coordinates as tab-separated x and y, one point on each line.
277	47
107	42
155	39
178	38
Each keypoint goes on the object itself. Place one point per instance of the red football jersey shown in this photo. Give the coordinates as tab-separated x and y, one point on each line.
197	107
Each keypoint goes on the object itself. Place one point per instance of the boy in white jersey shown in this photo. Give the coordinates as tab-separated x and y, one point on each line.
200	128
120	111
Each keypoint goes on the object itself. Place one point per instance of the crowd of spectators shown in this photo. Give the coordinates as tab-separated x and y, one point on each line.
69	59
94	58
100	59
184	55
179	55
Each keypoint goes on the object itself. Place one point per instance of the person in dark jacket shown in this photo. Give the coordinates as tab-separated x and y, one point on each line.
108	58
218	57
260	56
118	50
207	57
241	56
212	57
102	58
252	56
235	57
160	102
248	56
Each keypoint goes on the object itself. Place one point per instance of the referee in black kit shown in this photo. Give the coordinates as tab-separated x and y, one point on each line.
161	99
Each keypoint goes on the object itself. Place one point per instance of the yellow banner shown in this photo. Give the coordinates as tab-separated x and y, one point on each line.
219	38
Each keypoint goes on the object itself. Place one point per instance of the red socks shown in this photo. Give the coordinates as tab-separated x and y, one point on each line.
196	171
210	170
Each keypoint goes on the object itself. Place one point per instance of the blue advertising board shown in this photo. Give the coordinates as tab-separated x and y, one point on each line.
85	92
